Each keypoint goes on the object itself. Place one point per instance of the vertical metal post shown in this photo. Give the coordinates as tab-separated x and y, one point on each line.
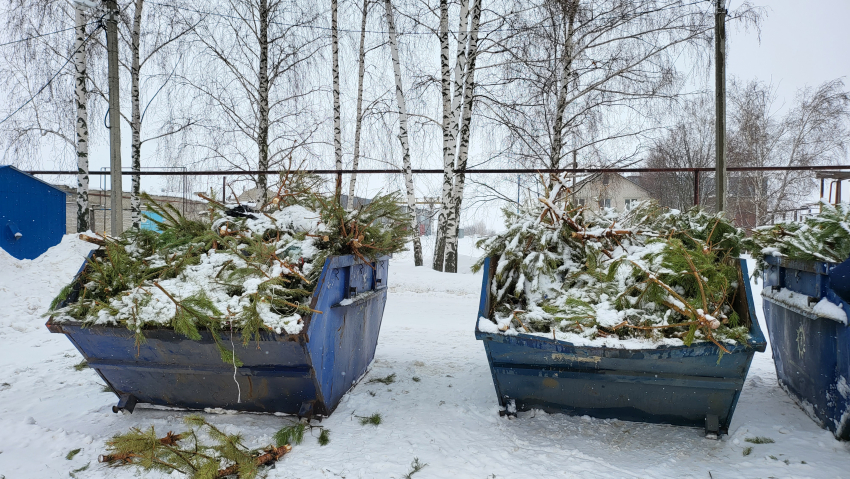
116	191
838	191
696	187
517	194
223	190
720	103
820	203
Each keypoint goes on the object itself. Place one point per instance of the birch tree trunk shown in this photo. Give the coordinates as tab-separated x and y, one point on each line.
451	227
136	118
81	100
448	160
558	129
463	150
402	134
263	100
337	119
359	118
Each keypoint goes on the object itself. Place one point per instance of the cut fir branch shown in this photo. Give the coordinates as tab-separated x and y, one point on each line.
225	455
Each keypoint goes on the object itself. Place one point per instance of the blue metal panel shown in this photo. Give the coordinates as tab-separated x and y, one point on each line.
147	224
280	373
32	214
675	385
811	353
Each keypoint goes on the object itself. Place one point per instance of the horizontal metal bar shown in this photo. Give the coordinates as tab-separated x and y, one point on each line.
604	376
278	371
495	171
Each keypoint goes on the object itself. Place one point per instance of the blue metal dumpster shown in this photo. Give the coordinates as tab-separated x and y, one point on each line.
681	385
811	352
305	374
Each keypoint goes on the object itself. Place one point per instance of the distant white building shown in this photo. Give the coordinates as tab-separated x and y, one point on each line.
608	190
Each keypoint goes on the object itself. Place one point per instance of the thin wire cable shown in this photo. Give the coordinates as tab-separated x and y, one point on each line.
41	35
51	78
319	27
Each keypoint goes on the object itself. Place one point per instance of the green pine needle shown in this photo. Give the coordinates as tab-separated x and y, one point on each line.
73	453
292	434
324	437
374	419
384	380
760	440
748	450
415	467
81	365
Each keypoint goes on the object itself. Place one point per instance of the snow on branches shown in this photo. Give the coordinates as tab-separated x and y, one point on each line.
647	276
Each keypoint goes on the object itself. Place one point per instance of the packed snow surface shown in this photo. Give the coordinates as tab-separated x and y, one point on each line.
448	419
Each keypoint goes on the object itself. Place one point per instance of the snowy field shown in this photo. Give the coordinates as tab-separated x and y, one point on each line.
448	419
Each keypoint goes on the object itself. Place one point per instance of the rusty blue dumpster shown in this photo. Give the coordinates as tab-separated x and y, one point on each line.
682	385
305	373
809	337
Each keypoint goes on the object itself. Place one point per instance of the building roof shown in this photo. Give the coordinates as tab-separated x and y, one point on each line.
596	176
12	168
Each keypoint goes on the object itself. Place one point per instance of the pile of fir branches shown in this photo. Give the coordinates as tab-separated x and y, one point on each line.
663	276
202	452
244	268
822	237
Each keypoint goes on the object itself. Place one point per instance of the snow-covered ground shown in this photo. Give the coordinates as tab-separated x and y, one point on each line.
449	419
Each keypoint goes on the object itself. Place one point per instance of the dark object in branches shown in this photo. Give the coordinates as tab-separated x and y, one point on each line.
241	211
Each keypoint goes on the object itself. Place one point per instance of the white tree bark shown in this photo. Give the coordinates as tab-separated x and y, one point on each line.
337	119
448	154
263	100
463	149
402	134
451	227
571	7
81	100
136	117
359	118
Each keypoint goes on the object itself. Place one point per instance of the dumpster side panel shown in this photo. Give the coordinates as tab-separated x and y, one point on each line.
352	310
675	385
294	374
810	353
170	370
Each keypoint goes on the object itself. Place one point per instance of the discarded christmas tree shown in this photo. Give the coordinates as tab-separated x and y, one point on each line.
821	237
661	276
245	268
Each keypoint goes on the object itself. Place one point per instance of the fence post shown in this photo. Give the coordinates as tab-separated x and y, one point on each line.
696	187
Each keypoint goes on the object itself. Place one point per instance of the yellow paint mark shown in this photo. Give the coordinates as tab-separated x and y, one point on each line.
550	383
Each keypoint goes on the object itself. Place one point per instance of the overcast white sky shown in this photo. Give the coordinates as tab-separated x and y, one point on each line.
802	43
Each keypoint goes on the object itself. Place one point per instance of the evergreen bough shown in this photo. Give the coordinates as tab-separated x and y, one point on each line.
822	237
646	273
238	269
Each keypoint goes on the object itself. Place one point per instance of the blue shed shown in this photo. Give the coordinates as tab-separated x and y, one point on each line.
32	214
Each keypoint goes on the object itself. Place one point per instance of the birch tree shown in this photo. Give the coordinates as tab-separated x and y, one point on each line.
161	32
448	163
39	76
402	132
597	73
336	93
465	103
358	118
253	93
81	100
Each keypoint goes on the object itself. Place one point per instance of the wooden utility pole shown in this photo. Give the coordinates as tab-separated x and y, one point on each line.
116	202
720	103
